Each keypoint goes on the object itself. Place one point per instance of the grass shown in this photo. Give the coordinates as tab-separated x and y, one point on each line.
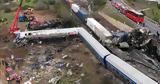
9	16
153	13
62	10
67	80
27	3
31	3
118	16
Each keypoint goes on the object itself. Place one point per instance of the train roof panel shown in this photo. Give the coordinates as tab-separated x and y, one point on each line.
136	12
99	26
94	43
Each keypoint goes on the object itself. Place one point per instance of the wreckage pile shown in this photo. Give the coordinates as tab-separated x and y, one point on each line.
140	48
140	39
35	25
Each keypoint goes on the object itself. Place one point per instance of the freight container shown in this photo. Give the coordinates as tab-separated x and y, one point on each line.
98	29
82	14
75	8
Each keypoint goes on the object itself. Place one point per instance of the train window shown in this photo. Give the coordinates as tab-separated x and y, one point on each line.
131	82
29	34
134	14
118	72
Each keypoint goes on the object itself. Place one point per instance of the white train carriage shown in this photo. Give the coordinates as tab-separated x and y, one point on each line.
47	33
98	29
75	8
127	71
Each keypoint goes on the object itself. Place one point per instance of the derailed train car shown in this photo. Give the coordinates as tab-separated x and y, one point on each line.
80	12
126	71
95	26
98	29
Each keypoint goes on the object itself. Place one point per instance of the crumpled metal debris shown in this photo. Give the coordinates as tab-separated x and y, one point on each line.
60	65
69	72
138	39
54	80
124	45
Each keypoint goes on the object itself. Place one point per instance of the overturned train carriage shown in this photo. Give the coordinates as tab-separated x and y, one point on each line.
46	33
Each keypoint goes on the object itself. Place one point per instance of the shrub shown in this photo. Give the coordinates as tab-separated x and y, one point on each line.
35	1
41	5
25	7
156	14
158	5
27	1
97	4
7	10
51	2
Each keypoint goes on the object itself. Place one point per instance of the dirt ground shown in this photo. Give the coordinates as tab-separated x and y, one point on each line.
90	72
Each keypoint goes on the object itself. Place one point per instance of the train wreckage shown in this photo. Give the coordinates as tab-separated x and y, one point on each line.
108	59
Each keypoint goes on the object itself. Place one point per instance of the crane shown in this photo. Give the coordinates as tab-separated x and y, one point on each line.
13	26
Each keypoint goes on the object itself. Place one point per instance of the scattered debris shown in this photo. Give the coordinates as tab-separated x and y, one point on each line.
138	39
27	82
3	19
81	65
60	65
78	81
67	65
82	75
65	56
69	72
35	25
12	75
54	80
124	45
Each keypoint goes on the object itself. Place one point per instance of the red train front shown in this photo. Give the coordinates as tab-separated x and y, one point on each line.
135	16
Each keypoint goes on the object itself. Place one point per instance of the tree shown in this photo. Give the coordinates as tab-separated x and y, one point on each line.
156	14
65	14
41	5
97	4
51	2
158	5
7	10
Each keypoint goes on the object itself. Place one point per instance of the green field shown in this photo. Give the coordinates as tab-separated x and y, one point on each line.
9	16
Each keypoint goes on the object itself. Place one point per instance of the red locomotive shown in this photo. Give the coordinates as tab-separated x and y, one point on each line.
135	16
